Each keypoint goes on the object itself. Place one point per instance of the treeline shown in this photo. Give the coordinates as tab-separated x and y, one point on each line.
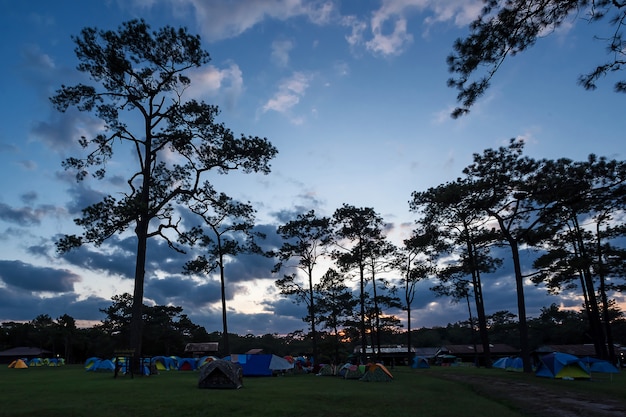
168	330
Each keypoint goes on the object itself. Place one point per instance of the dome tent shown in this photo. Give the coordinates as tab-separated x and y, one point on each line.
561	366
18	364
350	371
220	374
377	372
420	362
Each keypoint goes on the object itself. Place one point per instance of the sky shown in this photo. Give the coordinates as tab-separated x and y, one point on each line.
353	95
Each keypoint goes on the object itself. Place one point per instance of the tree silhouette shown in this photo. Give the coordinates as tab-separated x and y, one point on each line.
138	93
508	27
306	239
227	231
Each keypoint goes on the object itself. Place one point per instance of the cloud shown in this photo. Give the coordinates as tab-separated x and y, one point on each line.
388	44
33	57
34	278
24	306
183	291
263	323
357	30
280	52
26	216
289	93
390	35
226	84
286	308
8	148
461	13
222	19
63	130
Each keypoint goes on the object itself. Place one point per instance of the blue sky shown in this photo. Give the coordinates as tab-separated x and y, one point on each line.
353	94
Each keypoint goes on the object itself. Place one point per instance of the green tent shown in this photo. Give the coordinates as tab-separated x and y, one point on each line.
377	372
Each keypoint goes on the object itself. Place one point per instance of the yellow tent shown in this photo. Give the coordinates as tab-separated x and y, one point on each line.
18	364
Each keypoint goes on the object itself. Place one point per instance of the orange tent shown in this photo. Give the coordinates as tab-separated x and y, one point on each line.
18	364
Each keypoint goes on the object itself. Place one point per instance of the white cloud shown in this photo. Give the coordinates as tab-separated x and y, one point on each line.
460	12
355	38
222	19
211	81
393	43
389	23
289	93
280	52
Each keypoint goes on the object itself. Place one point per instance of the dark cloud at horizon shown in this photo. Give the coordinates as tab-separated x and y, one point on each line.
37	279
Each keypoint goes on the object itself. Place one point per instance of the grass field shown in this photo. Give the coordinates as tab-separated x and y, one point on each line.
70	391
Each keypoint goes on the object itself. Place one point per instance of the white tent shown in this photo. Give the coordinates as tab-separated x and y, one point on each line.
280	364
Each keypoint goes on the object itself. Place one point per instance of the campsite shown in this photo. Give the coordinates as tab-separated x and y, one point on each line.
72	391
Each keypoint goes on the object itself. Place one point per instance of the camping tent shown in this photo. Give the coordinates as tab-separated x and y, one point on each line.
260	364
35	362
163	363
515	365
187	364
205	360
327	370
599	365
350	371
420	362
377	372
509	364
278	364
56	362
561	365
18	364
89	363
105	365
502	363
220	374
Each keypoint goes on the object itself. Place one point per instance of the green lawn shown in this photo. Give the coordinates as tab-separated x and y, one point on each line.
70	391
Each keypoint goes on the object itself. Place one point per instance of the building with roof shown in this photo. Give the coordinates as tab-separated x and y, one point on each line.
9	355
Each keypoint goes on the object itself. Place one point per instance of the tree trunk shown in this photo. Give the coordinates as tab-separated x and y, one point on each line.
521	307
605	302
362	301
136	321
313	312
143	224
225	341
595	322
376	315
408	334
478	300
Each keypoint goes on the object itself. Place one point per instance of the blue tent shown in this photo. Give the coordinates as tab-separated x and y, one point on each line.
516	365
599	365
561	365
35	362
420	362
105	365
56	362
254	365
89	363
260	364
502	363
163	363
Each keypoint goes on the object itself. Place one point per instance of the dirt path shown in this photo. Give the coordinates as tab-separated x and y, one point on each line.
538	401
